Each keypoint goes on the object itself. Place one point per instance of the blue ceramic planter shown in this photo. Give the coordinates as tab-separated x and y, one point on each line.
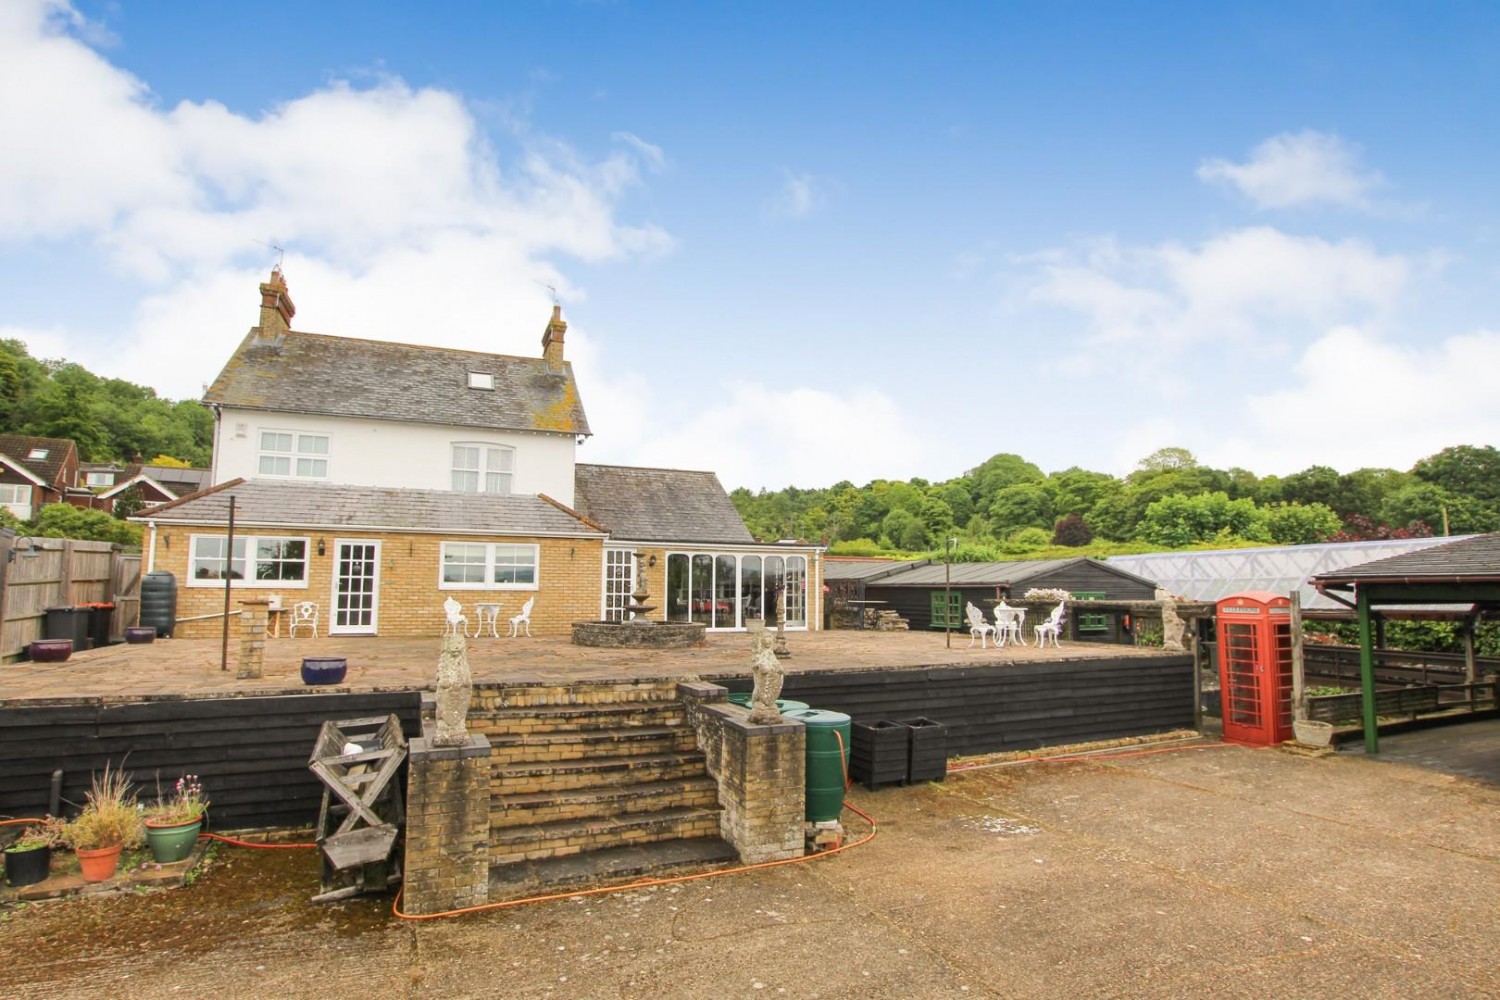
324	669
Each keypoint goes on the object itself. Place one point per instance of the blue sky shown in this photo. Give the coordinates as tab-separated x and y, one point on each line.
797	243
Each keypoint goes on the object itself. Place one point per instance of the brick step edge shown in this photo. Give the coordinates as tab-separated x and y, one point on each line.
597	765
535	747
565	837
506	696
595	803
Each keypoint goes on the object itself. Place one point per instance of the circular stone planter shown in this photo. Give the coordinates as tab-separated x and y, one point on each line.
638	635
324	669
139	634
50	650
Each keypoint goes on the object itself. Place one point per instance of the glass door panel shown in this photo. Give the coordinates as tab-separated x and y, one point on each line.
703	589
677	588
726	592
356	587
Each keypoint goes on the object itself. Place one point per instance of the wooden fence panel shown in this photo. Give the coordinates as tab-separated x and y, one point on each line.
56	572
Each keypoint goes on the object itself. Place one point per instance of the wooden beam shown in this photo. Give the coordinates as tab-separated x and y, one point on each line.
1367	673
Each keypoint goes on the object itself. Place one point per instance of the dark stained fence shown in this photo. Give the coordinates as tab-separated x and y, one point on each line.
250	753
1013	707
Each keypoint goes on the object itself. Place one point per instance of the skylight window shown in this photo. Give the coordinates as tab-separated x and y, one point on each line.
38	453
481	380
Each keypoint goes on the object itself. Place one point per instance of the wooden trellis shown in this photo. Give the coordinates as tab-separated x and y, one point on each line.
363	798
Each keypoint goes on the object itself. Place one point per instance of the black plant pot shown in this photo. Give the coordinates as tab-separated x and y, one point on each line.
929	749
28	867
324	669
878	753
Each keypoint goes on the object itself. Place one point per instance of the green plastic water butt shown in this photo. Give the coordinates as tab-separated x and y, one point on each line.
739	698
783	705
827	760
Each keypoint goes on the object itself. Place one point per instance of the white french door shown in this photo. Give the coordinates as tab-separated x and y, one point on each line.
356	587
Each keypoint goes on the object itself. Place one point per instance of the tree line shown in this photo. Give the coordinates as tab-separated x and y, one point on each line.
110	419
1007	506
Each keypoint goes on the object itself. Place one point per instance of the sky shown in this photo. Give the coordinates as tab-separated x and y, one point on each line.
796	243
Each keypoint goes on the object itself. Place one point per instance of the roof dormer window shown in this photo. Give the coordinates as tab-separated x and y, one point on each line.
38	453
481	380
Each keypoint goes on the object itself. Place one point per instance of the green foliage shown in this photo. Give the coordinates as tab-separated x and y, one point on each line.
1023	505
1298	523
61	520
109	419
1177	520
128	502
1026	540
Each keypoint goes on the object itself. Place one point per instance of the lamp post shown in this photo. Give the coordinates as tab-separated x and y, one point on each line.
948	545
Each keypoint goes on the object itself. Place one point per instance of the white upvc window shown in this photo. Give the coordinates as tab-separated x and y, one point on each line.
488	566
96	479
293	455
482	468
257	561
16	498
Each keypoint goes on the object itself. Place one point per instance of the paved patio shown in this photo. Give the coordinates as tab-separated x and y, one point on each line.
175	668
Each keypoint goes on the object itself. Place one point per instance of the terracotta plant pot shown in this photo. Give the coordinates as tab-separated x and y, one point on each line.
50	650
323	669
99	865
28	867
138	634
172	841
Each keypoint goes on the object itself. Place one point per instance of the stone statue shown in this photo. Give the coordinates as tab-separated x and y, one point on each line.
1172	625
768	677
454	686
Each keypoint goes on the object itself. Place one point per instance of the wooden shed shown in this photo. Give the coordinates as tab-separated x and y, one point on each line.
918	590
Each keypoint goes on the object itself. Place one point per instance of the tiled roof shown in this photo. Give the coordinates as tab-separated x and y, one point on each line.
48	469
658	505
377	380
1467	559
370	508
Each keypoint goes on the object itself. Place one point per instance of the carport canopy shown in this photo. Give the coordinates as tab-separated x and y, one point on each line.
1460	580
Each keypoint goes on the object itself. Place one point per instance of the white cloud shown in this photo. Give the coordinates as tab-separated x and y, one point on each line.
1370	402
807	436
799	196
1299	168
1243	282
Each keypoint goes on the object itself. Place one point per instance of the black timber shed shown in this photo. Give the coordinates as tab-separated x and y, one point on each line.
915	589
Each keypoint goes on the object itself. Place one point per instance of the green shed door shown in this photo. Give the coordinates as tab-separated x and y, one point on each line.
947	609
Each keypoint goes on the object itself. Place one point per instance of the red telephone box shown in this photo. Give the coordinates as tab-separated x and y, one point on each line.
1255	667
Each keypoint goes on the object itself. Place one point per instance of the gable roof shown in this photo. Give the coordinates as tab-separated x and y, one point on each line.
1279	569
1472	559
658	505
126	484
377	380
16	447
326	506
929	573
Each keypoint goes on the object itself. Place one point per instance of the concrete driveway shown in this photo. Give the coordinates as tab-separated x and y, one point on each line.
1220	872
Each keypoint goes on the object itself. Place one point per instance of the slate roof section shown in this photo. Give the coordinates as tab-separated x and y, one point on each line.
1474	559
377	380
49	469
326	506
929	573
658	505
848	568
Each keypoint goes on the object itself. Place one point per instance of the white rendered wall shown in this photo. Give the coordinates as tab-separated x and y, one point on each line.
393	453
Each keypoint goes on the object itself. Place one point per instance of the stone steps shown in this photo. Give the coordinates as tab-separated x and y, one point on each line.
592	803
561	838
595	772
581	744
530	720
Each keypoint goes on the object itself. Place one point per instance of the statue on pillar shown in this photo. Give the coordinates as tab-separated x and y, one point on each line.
1172	625
768	678
454	687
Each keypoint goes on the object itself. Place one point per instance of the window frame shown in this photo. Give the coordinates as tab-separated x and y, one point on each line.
250	572
491	562
104	479
483	468
25	490
1093	621
954	617
294	456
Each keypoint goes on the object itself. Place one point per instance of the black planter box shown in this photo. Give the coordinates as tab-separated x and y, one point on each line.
878	753
929	750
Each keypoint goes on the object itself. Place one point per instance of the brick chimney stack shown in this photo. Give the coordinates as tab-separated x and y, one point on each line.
552	340
276	309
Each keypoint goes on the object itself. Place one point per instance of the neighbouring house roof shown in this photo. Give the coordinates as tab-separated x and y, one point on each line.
377	380
18	448
929	573
658	505
1211	576
849	568
1475	558
124	484
322	505
179	481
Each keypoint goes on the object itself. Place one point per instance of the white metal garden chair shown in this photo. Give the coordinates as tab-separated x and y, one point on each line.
1051	627
304	615
522	620
457	620
978	627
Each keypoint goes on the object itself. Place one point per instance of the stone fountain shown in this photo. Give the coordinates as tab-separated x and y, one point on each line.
638	631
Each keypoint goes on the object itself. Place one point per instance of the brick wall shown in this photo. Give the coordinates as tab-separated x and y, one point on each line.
761	771
447	826
570	575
